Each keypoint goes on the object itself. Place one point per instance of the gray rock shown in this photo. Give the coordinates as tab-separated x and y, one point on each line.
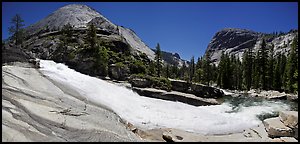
179	85
141	83
290	119
206	91
235	41
79	16
175	96
275	128
37	109
284	139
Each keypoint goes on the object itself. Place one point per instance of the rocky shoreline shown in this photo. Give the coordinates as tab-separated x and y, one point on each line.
270	94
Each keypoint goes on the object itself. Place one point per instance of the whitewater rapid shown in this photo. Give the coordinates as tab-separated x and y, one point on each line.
156	113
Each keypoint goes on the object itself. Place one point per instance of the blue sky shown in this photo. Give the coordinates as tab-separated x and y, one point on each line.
185	28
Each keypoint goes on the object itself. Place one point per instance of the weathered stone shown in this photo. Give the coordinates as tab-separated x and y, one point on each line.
206	91
35	62
175	96
37	109
179	85
288	139
169	137
289	118
275	128
292	97
138	82
236	41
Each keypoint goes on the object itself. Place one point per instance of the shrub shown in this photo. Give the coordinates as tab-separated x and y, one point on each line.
137	67
155	82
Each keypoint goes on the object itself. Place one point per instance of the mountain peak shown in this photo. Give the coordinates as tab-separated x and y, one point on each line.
77	15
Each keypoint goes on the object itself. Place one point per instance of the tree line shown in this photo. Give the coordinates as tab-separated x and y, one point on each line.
262	69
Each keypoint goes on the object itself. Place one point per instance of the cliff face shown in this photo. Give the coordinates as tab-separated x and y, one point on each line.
236	41
79	16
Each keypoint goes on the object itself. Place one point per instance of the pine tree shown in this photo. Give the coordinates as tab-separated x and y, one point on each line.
221	69
158	56
182	72
277	81
92	37
270	70
199	63
102	60
167	71
256	71
283	71
292	64
207	69
247	65
174	71
17	30
192	68
263	64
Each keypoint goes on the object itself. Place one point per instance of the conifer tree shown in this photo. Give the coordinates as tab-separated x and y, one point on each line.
158	57
17	30
270	70
207	69
292	64
247	65
192	68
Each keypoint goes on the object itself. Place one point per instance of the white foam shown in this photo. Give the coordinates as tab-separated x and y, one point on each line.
155	113
226	92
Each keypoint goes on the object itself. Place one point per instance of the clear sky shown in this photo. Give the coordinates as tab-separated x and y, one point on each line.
185	28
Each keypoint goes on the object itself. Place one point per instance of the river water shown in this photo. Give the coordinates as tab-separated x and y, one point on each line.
233	115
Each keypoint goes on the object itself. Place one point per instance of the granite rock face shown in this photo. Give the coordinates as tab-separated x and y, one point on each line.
276	128
235	41
37	109
284	127
80	16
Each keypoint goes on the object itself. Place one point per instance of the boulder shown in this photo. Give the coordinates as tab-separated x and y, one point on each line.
169	137
118	72
179	85
273	95
139	82
206	91
290	119
35	62
175	96
284	139
275	128
292	97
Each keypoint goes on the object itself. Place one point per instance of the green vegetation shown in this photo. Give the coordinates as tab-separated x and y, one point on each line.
262	71
155	82
17	30
158	59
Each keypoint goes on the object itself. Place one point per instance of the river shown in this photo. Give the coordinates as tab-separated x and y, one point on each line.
233	115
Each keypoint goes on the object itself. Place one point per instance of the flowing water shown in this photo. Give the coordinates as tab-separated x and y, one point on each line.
233	115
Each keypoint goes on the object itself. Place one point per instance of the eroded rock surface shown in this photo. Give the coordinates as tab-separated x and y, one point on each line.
37	109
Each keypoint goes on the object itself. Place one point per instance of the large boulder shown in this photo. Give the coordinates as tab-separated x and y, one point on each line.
179	85
206	91
140	82
118	72
290	119
275	128
175	96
